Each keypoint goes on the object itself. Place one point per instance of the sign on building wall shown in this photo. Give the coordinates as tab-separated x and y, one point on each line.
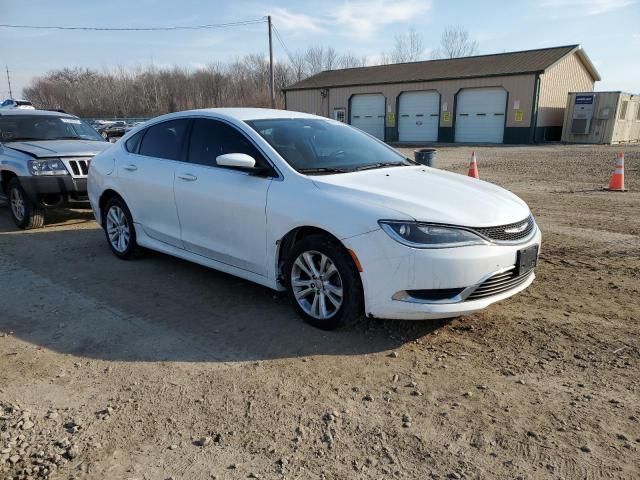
584	99
446	117
519	115
391	119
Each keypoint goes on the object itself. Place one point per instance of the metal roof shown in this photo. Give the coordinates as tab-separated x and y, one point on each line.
499	64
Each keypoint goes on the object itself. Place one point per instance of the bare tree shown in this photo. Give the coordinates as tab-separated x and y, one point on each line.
147	90
331	59
408	47
314	56
455	42
299	66
349	60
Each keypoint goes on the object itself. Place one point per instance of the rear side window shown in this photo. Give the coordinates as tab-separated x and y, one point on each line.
133	144
165	139
211	138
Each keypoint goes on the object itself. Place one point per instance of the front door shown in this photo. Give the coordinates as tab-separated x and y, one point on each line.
222	210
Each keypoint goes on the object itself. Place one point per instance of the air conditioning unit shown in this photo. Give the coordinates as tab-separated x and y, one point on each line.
582	114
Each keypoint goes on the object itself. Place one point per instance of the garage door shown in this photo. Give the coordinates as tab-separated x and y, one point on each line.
480	115
367	113
418	116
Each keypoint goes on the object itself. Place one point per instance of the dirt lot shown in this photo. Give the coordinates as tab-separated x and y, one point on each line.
158	368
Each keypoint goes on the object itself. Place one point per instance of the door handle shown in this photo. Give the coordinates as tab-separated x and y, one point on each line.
131	167
187	177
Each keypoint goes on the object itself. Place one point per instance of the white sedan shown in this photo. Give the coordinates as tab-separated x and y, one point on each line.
342	222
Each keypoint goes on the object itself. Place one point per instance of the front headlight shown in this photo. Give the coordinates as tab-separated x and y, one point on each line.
50	166
421	235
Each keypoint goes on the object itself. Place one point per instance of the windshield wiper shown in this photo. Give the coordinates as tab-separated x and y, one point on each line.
68	138
380	165
322	170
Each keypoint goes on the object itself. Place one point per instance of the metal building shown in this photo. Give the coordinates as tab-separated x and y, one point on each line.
602	117
516	97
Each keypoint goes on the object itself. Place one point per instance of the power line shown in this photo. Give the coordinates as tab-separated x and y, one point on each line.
137	29
281	41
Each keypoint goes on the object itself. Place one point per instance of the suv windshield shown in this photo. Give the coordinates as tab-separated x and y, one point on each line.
318	146
16	128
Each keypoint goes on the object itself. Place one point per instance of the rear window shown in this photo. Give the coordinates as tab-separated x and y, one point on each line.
133	144
165	140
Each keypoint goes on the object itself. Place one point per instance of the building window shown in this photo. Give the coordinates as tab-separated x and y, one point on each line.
339	114
623	110
638	112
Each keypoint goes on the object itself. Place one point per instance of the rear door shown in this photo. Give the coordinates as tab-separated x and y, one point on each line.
147	177
222	210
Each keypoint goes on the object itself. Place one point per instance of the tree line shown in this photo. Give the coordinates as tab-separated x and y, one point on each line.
147	91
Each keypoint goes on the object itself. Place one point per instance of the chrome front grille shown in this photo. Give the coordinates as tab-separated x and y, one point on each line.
499	283
78	167
512	232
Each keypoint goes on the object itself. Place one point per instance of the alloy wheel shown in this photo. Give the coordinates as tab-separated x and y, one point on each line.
317	285
118	229
16	201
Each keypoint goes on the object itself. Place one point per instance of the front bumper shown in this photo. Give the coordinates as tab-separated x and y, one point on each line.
55	190
391	269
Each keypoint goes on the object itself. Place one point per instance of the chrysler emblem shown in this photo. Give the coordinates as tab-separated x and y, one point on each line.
518	229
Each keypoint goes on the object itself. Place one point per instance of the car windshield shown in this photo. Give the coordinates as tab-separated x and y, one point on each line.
319	146
16	128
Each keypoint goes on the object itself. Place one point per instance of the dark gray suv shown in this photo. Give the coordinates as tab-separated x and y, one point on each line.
44	162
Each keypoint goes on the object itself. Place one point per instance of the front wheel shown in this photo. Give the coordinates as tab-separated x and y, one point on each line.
323	283
24	212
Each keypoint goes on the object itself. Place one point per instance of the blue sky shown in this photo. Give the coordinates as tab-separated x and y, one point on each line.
609	30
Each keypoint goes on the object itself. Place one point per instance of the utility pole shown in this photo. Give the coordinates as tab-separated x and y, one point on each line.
271	77
9	82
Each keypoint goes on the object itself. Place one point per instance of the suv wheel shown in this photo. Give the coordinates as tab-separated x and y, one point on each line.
323	283
119	229
24	212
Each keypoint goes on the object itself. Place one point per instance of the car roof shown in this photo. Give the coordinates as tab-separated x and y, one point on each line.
39	113
243	114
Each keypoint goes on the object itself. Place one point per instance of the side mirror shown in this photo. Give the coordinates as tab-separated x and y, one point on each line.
236	160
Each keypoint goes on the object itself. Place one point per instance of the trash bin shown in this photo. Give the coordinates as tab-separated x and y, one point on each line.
425	156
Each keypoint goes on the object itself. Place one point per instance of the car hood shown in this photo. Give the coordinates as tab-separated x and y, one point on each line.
59	148
430	195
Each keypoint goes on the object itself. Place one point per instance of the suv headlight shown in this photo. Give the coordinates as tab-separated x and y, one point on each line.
424	235
50	166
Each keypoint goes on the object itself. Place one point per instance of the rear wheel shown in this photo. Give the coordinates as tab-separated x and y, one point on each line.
118	227
323	283
24	212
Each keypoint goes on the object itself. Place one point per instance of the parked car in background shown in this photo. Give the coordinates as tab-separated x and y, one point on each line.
341	221
113	130
11	103
128	128
44	162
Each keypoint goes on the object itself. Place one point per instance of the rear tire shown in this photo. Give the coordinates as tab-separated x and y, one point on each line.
25	213
117	223
323	283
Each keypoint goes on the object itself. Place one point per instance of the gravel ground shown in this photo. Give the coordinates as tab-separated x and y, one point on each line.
157	368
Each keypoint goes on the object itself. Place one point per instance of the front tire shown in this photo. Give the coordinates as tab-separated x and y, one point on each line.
119	229
323	283
25	213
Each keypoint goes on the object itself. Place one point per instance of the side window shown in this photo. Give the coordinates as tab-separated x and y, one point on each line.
165	139
133	143
211	138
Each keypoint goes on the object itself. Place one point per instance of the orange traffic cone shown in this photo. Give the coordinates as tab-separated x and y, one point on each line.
473	166
617	179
